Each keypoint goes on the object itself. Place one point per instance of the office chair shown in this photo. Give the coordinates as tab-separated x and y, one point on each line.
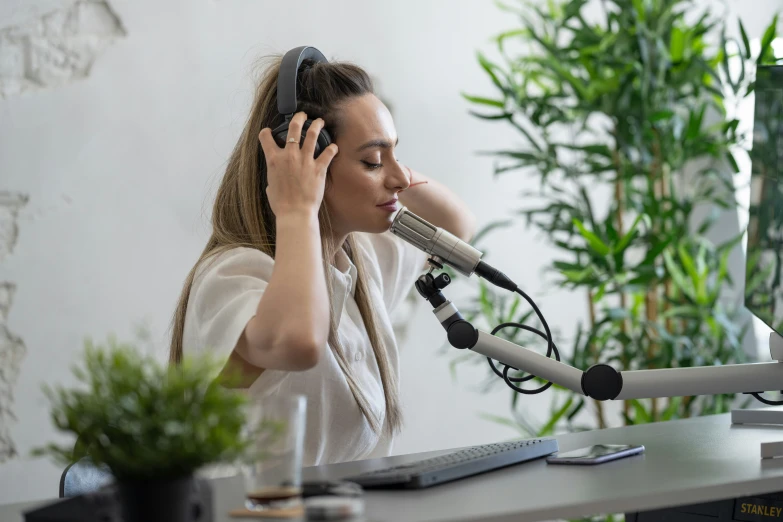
82	477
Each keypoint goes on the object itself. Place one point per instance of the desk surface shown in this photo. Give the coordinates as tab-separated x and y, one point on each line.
686	462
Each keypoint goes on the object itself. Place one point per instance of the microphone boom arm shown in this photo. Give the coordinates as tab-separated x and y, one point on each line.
601	381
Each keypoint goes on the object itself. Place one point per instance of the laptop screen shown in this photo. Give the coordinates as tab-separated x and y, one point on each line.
764	266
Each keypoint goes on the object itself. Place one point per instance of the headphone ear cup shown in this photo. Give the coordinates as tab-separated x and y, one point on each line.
280	134
324	140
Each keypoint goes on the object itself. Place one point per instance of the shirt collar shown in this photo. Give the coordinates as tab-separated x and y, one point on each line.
344	270
343	273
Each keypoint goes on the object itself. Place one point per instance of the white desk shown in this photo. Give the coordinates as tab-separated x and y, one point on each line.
686	462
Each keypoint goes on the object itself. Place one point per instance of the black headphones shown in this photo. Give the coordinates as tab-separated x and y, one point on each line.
286	96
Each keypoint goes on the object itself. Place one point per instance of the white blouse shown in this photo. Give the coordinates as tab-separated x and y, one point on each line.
225	295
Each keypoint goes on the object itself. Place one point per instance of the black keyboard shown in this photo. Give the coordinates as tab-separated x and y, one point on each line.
457	465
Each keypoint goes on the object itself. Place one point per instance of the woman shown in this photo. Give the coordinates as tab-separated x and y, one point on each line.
296	284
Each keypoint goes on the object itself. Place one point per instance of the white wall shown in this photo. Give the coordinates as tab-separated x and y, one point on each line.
120	159
120	162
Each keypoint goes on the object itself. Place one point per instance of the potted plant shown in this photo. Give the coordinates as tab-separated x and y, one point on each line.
151	425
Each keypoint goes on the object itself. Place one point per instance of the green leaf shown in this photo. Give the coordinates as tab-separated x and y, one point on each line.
527	156
593	240
600	293
601	150
549	427
494	225
578	276
665	114
632	231
513	310
489	68
725	57
745	40
486	304
639	7
576	409
687	262
491	117
732	162
502	37
484	101
579	86
766	40
677	44
642	416
504	421
671	409
676	274
694	123
564	265
508	168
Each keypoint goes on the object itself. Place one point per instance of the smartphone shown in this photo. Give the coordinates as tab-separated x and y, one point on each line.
596	454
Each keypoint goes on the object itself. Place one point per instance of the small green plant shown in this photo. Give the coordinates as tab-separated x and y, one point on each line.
143	419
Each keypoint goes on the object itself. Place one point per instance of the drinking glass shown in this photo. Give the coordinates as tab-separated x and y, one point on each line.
272	466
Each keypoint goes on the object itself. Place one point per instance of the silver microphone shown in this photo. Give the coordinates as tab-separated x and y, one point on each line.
436	241
446	248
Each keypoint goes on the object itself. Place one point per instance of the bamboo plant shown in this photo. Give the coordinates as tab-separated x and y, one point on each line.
637	103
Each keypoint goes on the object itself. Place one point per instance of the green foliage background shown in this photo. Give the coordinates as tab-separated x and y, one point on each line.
638	103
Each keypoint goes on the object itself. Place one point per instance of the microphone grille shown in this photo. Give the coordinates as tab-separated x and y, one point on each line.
413	229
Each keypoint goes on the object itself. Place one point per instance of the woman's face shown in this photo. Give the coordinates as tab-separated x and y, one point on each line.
365	174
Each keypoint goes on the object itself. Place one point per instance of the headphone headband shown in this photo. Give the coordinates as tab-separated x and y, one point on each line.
286	80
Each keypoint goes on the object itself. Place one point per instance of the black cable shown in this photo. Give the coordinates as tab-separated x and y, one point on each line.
550	348
500	279
550	344
766	401
529	329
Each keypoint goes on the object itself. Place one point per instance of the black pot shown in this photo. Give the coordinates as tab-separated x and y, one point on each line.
157	500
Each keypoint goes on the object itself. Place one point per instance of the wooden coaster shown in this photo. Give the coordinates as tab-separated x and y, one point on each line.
268	513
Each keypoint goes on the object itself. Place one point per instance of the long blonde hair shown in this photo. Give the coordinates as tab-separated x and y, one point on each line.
242	216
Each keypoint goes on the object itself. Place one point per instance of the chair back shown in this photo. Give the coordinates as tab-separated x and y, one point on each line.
83	477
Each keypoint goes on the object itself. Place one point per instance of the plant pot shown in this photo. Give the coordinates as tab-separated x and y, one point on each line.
157	500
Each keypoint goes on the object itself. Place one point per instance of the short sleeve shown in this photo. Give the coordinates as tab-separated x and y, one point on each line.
224	297
400	264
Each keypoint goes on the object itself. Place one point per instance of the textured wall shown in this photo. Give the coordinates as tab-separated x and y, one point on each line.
40	52
12	348
56	48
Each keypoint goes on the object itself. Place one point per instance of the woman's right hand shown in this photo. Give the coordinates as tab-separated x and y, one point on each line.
296	179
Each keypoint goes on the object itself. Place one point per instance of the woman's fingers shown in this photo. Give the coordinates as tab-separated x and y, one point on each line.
270	147
295	131
326	157
268	144
312	137
296	182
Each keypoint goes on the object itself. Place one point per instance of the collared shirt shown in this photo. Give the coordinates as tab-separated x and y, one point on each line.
225	295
